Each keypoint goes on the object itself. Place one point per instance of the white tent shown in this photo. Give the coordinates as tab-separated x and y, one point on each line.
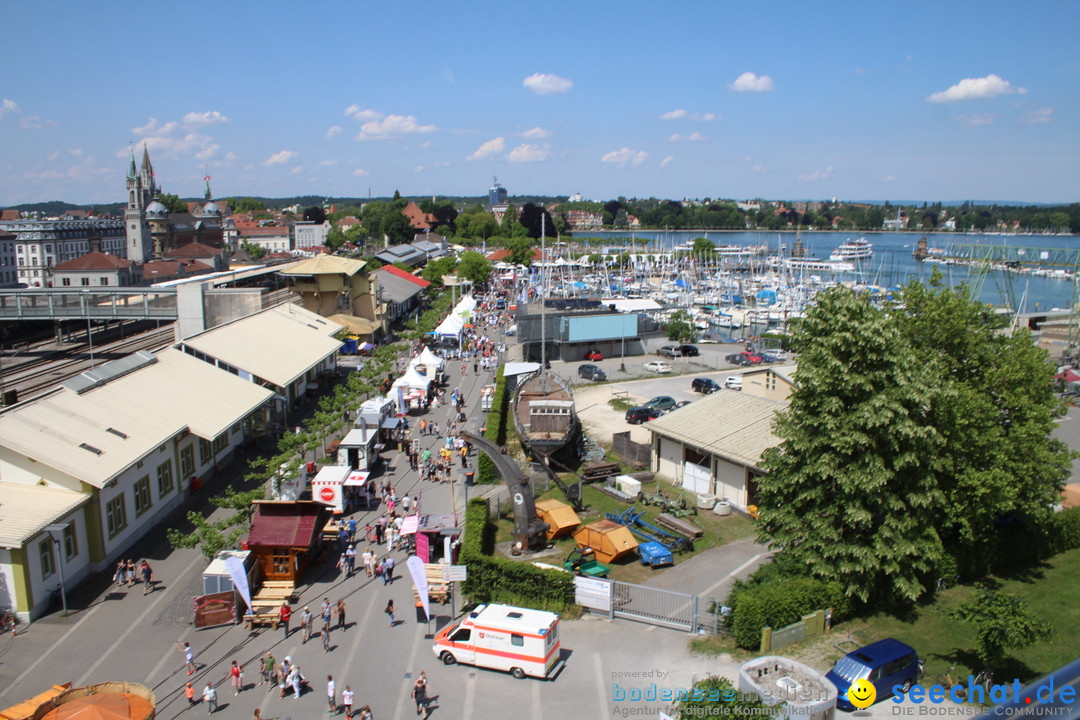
413	380
431	359
452	325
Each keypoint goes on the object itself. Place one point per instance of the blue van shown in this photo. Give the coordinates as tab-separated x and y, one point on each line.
887	663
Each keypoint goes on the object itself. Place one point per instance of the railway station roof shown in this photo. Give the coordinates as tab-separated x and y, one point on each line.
25	510
99	423
279	344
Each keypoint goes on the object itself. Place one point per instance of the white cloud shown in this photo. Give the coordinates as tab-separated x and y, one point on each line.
749	82
888	178
704	117
976	89
208	152
8	107
279	157
681	114
152	128
361	115
817	175
295	170
528	153
31	122
537	133
212	117
976	119
625	157
674	115
77	152
545	84
420	168
360	172
328	162
333	131
425	145
491	147
1037	117
759	169
53	155
392	126
692	137
666	161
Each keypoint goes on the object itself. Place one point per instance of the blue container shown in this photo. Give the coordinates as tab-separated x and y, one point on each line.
653	553
349	347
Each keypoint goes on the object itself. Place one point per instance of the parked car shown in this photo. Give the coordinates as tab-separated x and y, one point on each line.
887	664
670	351
500	304
594	355
591	372
754	359
738	359
657	366
733	382
661	402
704	385
688	351
638	415
708	339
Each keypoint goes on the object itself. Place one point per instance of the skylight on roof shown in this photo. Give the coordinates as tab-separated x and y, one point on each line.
117	433
91	448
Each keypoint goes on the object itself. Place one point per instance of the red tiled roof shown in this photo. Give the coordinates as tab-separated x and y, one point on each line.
192	249
280	524
405	275
93	261
10	215
418	218
503	253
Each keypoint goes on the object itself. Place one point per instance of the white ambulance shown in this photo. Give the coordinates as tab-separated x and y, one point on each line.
501	637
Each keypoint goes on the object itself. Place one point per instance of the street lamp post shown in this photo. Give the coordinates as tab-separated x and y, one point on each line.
56	532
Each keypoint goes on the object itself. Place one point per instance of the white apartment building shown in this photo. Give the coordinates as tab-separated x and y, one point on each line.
40	245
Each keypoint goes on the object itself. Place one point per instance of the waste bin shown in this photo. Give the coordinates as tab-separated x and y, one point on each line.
723	508
470	477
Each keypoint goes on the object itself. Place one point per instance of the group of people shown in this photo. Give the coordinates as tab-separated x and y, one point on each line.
128	574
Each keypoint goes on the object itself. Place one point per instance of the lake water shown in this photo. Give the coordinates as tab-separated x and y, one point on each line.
893	263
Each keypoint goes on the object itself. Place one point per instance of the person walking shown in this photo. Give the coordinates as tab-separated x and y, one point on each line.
325	638
189	658
419	694
120	577
388	571
296	680
266	673
389	610
305	624
236	677
347	702
327	613
283	616
341	614
189	693
209	696
147	577
350	560
331	694
365	713
283	676
132	576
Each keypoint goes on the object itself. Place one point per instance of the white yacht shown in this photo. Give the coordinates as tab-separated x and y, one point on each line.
857	249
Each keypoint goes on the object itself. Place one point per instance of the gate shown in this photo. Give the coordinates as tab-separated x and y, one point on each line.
665	608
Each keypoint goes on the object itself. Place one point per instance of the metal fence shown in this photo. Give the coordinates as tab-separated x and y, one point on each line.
630	451
666	608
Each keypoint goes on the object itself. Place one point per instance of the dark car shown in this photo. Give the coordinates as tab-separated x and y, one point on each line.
738	359
670	351
594	355
500	304
688	351
704	385
591	372
638	415
661	402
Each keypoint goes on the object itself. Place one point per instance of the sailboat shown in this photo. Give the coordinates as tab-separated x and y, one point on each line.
543	407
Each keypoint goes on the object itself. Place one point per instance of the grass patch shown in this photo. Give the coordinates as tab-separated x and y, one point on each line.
717	530
621	404
1050	590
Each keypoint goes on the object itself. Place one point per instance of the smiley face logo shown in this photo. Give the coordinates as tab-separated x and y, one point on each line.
862	693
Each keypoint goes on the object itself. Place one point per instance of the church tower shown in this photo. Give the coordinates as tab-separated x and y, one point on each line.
141	190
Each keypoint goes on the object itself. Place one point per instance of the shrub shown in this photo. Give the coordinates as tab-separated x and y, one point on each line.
495	579
779	603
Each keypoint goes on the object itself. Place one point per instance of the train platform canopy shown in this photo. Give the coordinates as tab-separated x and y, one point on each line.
27	509
279	344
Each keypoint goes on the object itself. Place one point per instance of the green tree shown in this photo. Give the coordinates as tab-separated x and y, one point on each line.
246	205
521	250
256	251
315	214
474	267
850	491
435	269
396	226
173	203
335	238
1001	621
995	410
703	247
679	328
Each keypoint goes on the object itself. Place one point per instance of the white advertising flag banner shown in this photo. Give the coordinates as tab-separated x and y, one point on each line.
238	574
419	577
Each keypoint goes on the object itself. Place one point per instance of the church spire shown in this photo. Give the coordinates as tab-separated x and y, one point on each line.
206	172
132	172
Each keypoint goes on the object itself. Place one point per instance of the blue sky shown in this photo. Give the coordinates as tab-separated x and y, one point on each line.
791	100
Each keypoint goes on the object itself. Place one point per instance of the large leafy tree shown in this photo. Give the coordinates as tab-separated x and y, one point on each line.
1001	622
850	492
173	203
521	250
995	410
474	267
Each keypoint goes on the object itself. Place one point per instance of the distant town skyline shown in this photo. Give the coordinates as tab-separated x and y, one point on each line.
857	101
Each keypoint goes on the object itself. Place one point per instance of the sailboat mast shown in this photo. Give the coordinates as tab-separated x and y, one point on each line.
543	304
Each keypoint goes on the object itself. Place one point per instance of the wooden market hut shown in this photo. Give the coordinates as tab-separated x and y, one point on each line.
285	537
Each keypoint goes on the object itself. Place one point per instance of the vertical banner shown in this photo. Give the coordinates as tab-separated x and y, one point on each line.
419	578
401	400
238	574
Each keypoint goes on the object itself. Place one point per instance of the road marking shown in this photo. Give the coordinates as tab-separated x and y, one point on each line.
63	638
357	637
601	686
536	713
732	574
470	696
406	680
137	623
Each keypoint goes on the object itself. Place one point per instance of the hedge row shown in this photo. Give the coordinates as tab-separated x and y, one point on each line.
494	428
779	603
495	579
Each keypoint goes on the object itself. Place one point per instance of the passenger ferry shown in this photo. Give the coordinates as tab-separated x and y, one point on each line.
857	249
